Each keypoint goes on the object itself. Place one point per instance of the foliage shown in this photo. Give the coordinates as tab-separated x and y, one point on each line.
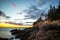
54	13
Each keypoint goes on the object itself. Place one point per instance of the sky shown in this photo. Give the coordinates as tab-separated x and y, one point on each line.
14	8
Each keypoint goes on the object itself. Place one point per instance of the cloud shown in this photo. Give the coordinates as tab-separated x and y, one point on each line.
13	5
40	2
33	8
33	12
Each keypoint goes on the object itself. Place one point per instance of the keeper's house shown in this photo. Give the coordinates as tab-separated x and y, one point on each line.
44	16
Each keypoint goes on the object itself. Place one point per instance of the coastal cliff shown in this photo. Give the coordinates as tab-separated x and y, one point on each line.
43	29
48	30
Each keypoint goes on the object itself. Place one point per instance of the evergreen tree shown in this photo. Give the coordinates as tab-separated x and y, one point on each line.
50	12
58	11
54	13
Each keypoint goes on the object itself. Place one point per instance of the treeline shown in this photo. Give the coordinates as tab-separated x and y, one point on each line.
54	13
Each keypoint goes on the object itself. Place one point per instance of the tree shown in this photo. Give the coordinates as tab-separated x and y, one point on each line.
58	11
50	12
54	13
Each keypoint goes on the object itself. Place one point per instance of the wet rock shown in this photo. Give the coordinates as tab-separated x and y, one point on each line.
24	34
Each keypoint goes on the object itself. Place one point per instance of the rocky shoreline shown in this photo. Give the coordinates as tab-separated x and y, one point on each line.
45	30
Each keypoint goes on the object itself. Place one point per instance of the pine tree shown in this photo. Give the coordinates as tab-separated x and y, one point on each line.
50	12
58	11
54	13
